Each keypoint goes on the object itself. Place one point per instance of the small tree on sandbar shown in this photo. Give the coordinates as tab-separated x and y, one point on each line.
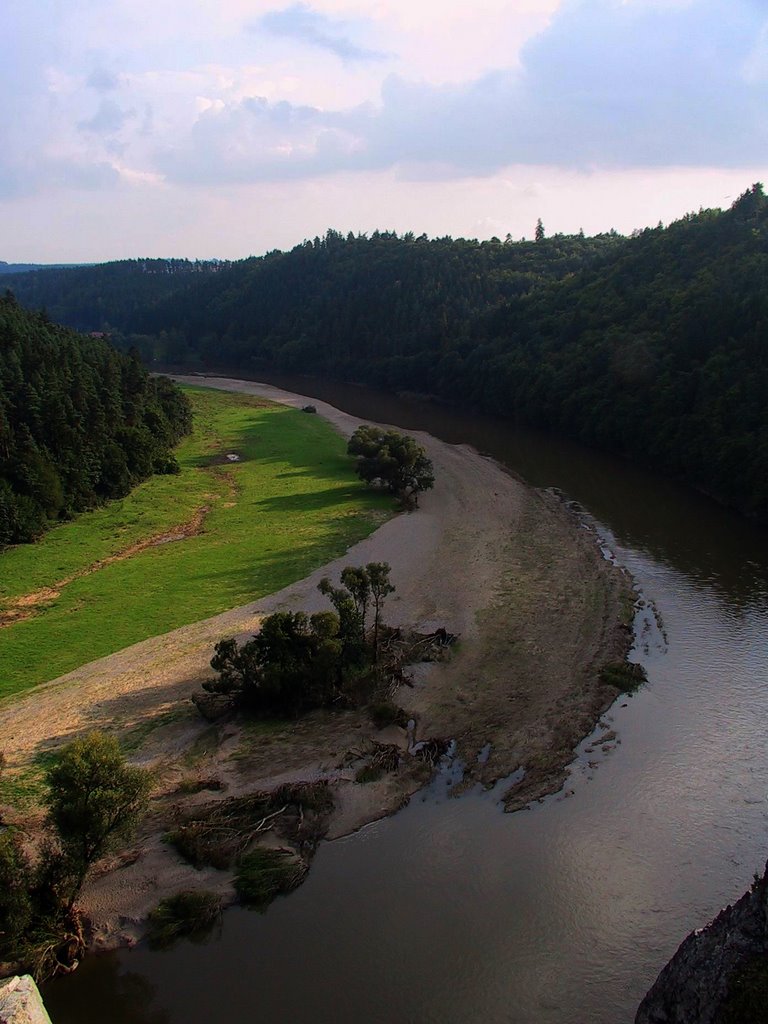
378	579
94	799
362	586
392	460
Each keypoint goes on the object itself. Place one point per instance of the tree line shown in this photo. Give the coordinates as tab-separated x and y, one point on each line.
650	346
80	423
92	298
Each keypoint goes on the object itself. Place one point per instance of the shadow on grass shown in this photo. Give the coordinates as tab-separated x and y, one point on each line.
312	501
263	574
259	574
267	442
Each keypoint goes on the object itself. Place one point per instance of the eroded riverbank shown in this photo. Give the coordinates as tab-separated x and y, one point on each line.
538	609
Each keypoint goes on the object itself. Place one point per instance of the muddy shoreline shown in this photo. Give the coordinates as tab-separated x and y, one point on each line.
510	569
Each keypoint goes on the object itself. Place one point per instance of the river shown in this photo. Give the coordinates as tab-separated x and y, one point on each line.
564	913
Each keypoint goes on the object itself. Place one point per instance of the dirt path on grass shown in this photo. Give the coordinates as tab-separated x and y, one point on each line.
538	608
15	609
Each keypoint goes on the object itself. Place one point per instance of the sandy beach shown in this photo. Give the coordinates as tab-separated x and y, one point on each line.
508	568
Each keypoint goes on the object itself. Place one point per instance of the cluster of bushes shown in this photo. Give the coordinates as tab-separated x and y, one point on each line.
297	661
93	798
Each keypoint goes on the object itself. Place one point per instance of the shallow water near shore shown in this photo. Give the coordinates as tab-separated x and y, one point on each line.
563	913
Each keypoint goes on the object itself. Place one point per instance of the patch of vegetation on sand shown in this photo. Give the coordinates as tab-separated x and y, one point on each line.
626	676
189	914
265	873
182	548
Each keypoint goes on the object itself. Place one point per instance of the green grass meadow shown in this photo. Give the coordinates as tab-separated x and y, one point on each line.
290	504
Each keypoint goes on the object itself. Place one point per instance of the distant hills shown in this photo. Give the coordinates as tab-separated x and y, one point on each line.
105	296
24	268
653	347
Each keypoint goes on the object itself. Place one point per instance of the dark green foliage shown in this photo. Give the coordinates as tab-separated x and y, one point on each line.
39	930
16	909
94	799
626	676
264	874
351	629
189	914
92	298
658	353
381	588
384	309
290	666
392	459
79	423
298	662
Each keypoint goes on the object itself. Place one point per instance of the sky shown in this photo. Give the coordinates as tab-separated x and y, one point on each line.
227	128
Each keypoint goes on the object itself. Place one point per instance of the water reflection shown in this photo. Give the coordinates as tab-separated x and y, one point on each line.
105	991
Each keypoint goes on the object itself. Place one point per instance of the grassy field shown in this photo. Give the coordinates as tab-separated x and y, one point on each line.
290	504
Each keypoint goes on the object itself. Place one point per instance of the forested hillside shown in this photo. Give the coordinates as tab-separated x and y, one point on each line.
23	268
379	309
79	422
651	346
95	298
660	355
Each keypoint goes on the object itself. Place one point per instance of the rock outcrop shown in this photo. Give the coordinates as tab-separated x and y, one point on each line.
694	985
21	1003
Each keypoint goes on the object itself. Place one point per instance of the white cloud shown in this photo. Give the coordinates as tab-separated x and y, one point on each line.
606	85
167	98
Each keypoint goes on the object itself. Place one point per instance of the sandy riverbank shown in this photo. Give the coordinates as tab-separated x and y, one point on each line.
539	611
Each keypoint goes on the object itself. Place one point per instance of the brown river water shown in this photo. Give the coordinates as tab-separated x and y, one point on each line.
564	913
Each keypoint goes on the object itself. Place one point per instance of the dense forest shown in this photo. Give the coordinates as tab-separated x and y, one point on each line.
21	268
93	298
650	346
79	422
337	304
660	355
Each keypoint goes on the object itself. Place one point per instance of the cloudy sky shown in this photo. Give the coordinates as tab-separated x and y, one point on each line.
222	128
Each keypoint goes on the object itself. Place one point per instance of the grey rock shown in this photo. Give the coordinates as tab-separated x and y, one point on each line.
693	986
21	1003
